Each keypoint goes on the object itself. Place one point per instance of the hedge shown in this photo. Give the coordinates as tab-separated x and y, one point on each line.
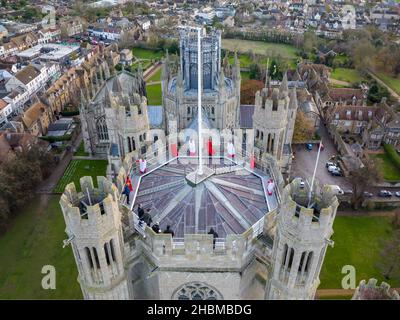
392	154
52	139
69	113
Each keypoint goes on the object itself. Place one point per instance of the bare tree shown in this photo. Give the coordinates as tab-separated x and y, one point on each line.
361	178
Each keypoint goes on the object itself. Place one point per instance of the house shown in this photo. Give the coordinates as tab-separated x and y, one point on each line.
385	128
340	96
12	142
49	35
353	119
3	32
65	90
5	111
126	57
26	82
36	119
71	27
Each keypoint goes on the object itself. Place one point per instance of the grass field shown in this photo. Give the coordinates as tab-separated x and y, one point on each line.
33	241
147	53
156	76
285	51
393	83
387	167
154	94
358	241
347	75
79	168
81	151
245	75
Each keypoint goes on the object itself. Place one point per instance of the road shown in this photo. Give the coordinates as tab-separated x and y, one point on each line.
304	163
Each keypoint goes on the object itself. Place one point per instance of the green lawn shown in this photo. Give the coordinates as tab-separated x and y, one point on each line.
156	76
154	94
347	75
147	53
81	151
244	60
33	241
79	168
245	75
393	83
358	241
285	51
387	167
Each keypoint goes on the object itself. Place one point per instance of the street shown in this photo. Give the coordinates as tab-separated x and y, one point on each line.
304	163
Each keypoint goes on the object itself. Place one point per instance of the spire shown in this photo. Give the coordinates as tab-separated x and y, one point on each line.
117	87
221	77
293	99
267	80
179	80
165	70
107	97
284	89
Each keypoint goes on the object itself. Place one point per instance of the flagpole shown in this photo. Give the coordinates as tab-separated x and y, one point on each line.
315	171
199	87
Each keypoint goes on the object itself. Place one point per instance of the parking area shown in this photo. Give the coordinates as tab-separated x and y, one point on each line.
304	162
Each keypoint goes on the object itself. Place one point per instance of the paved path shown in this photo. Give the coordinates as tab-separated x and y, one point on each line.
154	68
339	82
375	213
304	162
333	293
48	185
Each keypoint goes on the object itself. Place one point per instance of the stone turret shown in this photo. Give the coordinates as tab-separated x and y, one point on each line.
304	228
370	291
93	225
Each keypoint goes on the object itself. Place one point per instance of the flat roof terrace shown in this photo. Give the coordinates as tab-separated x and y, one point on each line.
230	201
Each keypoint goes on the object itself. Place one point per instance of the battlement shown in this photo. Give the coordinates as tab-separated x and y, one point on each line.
199	251
371	291
315	214
92	209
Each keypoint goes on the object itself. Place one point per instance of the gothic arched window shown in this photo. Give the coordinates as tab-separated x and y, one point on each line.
196	291
102	131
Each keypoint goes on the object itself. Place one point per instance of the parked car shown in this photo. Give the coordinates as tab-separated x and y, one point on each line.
397	194
329	163
336	173
384	193
338	190
302	184
367	194
309	146
332	168
348	191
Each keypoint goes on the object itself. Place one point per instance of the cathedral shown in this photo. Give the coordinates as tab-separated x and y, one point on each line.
232	228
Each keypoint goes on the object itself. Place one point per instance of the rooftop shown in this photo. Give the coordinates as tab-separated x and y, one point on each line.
230	201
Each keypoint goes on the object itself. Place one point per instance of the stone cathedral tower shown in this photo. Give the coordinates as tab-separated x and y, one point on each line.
273	120
303	233
93	224
221	89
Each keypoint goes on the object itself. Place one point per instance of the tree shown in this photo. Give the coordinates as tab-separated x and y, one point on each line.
304	129
310	41
377	92
361	178
255	72
389	262
248	91
363	54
